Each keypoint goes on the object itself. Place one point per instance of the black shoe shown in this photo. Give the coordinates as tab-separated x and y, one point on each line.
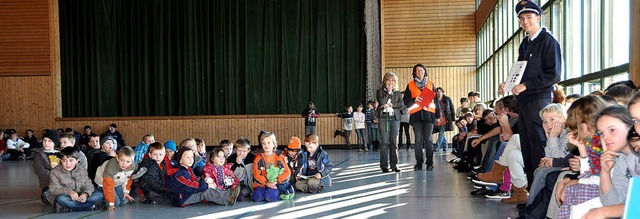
385	170
429	167
395	170
481	192
417	167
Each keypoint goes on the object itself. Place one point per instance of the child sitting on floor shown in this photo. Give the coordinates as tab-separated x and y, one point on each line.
70	187
314	167
114	178
152	183
270	172
45	159
218	174
242	161
185	188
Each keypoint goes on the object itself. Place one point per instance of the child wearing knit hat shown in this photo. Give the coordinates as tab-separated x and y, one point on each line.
45	159
292	151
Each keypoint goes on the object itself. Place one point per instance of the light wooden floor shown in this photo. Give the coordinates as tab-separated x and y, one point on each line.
360	190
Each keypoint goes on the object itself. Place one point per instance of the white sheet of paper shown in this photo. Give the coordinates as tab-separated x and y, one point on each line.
515	75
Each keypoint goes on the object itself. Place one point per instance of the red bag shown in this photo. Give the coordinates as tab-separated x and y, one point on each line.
443	121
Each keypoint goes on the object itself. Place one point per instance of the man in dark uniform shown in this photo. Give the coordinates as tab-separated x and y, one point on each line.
542	53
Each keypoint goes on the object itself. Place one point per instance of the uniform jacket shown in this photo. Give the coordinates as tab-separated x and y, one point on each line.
544	65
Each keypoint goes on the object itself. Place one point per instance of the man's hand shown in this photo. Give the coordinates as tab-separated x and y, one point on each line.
516	90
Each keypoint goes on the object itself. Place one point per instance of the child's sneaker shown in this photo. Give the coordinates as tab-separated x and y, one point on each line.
233	195
59	208
99	206
284	196
360	150
314	189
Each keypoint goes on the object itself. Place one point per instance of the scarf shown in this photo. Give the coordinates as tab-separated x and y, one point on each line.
595	150
420	83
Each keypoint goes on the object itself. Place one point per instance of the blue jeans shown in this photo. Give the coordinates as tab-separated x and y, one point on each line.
389	128
285	188
370	135
442	139
362	142
497	155
264	193
119	195
310	130
65	200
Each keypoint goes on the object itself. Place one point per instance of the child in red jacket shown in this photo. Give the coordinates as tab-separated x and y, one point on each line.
217	173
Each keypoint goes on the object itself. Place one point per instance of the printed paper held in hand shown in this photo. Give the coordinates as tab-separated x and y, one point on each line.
515	75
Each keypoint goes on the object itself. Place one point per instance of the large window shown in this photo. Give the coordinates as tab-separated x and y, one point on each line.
593	34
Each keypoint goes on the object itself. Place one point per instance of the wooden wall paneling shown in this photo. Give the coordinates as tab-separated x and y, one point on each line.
212	130
432	32
24	38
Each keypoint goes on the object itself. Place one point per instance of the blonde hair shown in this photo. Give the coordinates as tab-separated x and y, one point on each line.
554	108
272	137
390	75
312	138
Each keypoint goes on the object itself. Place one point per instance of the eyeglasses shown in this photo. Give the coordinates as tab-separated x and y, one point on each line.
635	121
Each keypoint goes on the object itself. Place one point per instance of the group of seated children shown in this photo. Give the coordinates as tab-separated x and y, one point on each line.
180	176
592	150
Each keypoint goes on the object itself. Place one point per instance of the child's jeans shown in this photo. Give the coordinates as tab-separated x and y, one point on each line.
66	201
285	188
119	196
264	193
362	142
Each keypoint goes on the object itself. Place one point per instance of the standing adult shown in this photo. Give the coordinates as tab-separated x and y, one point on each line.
310	114
447	111
544	64
389	112
422	118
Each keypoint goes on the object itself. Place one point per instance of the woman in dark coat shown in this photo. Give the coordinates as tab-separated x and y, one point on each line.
447	111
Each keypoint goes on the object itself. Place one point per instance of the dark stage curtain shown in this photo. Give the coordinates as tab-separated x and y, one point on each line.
210	57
